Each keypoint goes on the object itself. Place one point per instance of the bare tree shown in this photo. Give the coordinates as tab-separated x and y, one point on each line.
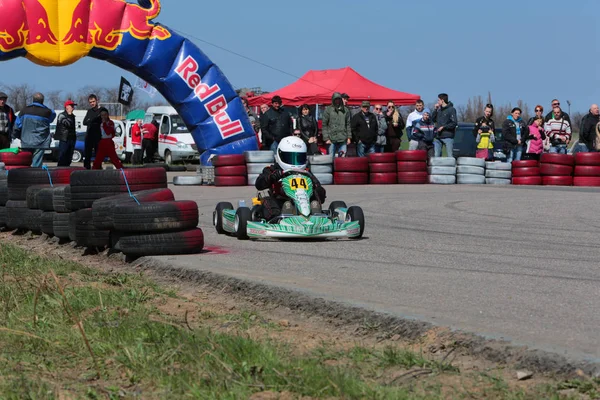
54	99
20	95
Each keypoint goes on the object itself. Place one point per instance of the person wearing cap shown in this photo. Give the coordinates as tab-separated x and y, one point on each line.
33	128
66	134
7	121
365	129
276	125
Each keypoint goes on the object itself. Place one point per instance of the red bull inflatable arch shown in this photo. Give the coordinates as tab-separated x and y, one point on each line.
60	32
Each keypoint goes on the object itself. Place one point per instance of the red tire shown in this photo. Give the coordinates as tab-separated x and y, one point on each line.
350	178
527	180
556	170
387	178
412	166
381	158
22	158
351	164
525	164
587	159
526	171
587	170
231	170
413	178
559	180
9	167
586	180
382	167
231	181
411	155
562	159
228	159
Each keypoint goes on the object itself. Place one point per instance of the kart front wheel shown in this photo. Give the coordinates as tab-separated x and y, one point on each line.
218	216
334	205
355	213
242	216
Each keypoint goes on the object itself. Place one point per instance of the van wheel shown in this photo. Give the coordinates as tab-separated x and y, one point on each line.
168	158
77	156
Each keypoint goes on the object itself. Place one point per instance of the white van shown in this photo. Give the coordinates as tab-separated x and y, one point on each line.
175	142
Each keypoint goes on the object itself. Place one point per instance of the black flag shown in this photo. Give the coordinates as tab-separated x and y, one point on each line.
125	92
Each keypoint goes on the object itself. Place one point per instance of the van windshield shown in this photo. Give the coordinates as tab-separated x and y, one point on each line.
177	125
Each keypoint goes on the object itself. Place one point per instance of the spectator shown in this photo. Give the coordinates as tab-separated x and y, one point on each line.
276	124
539	112
488	113
444	116
381	129
423	132
364	129
136	142
345	99
92	120
33	128
309	128
66	134
7	121
395	124
484	132
513	130
336	126
534	139
587	133
263	109
558	129
106	147
149	136
416	115
251	116
555	108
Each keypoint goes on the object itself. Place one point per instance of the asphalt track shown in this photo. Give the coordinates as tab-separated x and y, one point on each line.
513	263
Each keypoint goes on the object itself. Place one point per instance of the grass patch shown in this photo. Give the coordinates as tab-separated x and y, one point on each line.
68	331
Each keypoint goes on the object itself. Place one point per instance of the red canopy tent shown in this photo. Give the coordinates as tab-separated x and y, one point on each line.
317	87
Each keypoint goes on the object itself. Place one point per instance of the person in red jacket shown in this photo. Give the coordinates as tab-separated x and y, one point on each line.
150	132
136	142
106	146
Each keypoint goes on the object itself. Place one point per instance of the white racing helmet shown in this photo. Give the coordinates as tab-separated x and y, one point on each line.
291	153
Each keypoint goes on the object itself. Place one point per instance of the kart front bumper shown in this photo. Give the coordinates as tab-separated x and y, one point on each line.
258	230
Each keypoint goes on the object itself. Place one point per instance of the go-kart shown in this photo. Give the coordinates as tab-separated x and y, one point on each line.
300	218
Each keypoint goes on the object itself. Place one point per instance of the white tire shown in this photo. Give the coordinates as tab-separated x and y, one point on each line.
490	173
497	181
252	179
469	169
187	180
264	156
324	179
320	160
321	169
442	162
472	161
256	168
468	179
441	170
498	166
442	179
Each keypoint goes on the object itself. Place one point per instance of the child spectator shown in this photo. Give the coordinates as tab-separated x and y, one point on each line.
106	146
534	139
485	142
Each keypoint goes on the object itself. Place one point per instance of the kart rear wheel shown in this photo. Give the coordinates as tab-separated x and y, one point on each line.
242	216
355	213
336	204
218	216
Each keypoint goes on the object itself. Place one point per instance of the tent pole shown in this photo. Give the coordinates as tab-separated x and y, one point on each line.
317	112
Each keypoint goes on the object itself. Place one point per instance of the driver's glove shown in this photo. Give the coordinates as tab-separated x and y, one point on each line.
276	175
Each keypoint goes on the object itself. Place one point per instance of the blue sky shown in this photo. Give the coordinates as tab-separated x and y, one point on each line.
530	50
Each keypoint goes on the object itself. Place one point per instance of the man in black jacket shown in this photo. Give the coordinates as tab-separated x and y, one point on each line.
364	130
66	134
93	121
444	117
7	121
587	136
275	125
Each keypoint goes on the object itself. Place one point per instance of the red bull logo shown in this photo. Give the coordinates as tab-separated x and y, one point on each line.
92	24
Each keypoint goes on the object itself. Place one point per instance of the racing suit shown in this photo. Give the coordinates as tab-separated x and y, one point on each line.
272	204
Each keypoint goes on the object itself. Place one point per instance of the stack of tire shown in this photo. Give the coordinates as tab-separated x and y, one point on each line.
321	166
498	173
40	214
256	161
442	170
351	170
382	169
470	171
411	167
587	169
230	170
3	198
526	172
61	203
557	169
18	160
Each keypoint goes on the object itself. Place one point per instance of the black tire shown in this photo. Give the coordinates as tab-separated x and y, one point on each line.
84	196
44	199
355	213
47	222
15	213
155	217
177	168
135	176
242	216
2	216
59	199
31	195
19	180
60	225
72	226
86	234
161	244
218	216
32	221
3	191
336	204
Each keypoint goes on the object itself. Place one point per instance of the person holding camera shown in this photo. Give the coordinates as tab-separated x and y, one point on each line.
395	126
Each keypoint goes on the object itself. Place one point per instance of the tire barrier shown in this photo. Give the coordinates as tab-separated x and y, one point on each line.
22	159
187	180
526	172
557	169
411	155
230	170
587	169
351	170
498	173
383	169
351	178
